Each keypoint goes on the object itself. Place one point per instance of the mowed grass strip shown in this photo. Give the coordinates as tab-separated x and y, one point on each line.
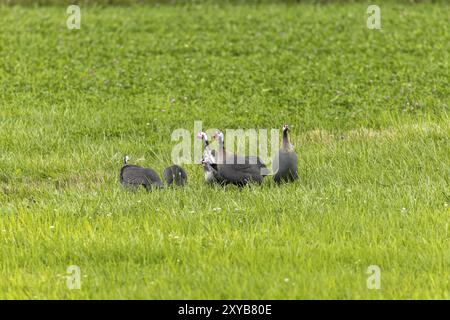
368	111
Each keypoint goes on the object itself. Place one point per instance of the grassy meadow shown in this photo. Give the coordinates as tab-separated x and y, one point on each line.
368	111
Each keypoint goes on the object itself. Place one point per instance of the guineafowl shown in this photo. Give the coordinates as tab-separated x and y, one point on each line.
132	176
285	162
175	175
236	169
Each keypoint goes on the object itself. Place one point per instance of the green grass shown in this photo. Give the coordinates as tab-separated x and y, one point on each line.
369	111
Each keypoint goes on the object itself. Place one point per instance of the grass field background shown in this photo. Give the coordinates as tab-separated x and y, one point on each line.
369	117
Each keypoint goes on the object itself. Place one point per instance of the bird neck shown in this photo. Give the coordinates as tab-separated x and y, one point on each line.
286	144
221	151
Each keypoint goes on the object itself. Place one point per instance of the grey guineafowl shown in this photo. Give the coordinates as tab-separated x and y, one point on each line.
175	175
285	161
236	169
132	176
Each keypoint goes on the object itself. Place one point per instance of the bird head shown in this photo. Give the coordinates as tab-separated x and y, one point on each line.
285	128
202	136
125	159
219	136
